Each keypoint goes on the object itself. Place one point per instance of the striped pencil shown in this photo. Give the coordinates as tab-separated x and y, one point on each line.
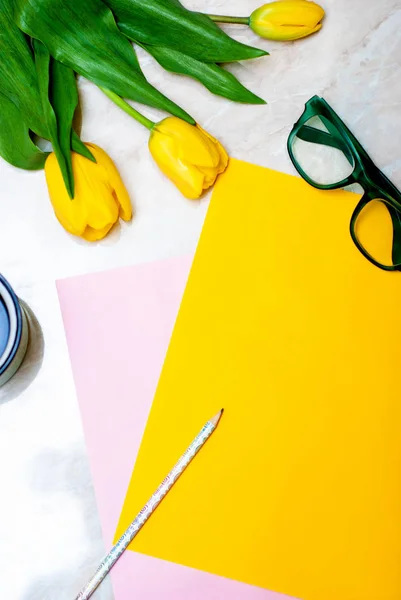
119	548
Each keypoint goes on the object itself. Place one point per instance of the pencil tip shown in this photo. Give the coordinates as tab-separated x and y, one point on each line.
217	417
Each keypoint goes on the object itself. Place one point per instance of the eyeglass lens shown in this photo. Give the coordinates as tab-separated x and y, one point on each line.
320	154
374	231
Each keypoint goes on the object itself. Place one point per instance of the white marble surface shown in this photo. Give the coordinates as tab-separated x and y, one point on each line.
50	538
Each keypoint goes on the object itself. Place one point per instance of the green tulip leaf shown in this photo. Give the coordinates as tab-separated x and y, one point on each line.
84	37
60	134
214	78
78	146
16	146
19	84
18	80
64	99
167	23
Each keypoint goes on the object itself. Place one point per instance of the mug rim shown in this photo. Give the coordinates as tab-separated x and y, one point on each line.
18	332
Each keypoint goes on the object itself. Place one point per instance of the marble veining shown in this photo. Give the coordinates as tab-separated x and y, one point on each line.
50	537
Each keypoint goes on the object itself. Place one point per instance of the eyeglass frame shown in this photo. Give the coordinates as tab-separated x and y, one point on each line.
375	184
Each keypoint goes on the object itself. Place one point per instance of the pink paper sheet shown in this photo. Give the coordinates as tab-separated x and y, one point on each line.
118	326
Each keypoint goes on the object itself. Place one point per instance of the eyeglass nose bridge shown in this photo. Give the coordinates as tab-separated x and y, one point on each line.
360	177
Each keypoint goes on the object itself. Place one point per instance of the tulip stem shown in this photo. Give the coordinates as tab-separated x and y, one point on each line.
223	19
132	112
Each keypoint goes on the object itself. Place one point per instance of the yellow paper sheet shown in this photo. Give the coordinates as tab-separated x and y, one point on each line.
287	326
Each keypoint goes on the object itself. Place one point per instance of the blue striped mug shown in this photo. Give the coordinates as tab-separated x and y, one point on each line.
14	332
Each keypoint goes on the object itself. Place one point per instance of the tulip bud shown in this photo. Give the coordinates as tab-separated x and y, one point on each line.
287	20
100	196
188	155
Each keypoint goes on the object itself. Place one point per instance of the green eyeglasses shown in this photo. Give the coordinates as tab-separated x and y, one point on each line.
328	156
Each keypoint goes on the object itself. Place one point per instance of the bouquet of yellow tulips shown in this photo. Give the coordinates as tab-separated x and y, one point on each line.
45	43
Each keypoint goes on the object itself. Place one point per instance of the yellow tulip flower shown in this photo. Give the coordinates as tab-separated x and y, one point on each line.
100	195
188	155
287	20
